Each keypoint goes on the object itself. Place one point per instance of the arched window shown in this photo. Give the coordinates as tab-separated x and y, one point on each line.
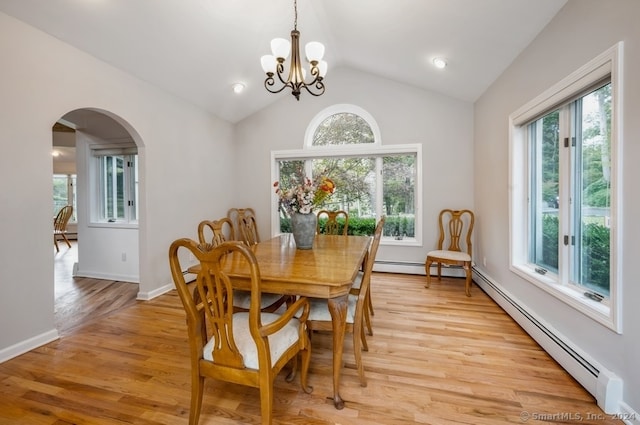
343	143
341	125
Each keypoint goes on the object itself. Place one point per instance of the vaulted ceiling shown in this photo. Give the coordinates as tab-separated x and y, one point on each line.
197	49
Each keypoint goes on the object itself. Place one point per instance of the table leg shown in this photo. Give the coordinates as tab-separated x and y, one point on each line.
338	310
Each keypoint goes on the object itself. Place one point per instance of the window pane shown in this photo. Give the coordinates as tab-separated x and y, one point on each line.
290	174
60	192
398	187
355	181
343	129
64	193
544	191
114	194
593	190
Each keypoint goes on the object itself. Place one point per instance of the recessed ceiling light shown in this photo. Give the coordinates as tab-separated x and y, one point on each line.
238	88
440	63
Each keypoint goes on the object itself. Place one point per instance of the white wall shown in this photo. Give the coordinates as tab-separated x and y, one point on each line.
404	114
41	79
582	30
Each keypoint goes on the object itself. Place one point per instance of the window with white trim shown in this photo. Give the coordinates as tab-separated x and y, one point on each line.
114	175
343	143
564	174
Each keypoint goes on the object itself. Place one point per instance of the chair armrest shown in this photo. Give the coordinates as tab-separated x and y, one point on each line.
275	326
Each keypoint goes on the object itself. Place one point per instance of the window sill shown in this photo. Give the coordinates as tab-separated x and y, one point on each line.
598	311
114	225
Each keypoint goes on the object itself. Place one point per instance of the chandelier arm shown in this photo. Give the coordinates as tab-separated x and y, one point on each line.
319	85
270	82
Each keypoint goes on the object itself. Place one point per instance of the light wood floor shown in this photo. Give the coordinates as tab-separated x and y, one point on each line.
437	357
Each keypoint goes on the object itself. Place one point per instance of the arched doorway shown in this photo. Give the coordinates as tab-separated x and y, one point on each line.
98	153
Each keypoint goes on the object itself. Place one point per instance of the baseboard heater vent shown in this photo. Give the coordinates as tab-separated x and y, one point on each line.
604	385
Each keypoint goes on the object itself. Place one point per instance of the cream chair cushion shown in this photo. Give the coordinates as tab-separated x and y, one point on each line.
242	299
279	342
319	310
450	255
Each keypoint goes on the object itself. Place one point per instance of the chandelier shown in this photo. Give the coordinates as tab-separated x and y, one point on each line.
274	64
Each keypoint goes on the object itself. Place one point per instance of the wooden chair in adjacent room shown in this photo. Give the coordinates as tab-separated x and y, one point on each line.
245	230
60	225
320	318
454	244
212	233
247	348
331	225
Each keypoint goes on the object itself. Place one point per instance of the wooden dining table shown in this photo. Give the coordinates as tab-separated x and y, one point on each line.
325	271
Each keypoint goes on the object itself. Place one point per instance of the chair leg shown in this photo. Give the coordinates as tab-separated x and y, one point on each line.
304	369
370	305
467	283
55	242
368	312
197	390
66	240
266	400
365	346
357	350
427	267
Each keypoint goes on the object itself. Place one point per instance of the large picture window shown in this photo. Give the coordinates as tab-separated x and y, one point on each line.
343	144
564	174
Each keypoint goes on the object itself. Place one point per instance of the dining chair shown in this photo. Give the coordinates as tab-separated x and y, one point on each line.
331	225
454	244
320	318
220	231
355	288
247	348
60	225
249	230
236	215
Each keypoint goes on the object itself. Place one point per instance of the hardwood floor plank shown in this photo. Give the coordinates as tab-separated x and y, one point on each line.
436	357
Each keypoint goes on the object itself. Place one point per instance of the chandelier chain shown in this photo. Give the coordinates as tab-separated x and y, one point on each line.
295	14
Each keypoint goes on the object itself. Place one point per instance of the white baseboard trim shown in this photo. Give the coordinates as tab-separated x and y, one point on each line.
28	345
104	276
146	296
600	382
414	268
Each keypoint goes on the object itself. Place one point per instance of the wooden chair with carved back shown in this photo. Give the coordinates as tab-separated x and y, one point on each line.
454	244
320	318
335	223
220	231
247	348
244	224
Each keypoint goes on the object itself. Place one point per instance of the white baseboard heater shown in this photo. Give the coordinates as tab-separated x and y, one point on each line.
604	385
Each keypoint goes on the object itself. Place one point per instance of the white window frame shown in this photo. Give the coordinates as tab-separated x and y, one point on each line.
96	152
375	149
607	64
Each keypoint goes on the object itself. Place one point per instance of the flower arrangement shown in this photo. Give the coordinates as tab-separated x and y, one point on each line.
303	197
